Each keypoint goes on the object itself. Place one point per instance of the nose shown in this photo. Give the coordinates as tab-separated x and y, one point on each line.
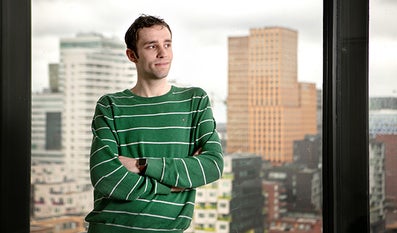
161	52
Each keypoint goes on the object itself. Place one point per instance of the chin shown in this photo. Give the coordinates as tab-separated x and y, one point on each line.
162	76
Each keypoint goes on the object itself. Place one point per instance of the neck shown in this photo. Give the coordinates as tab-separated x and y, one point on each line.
151	89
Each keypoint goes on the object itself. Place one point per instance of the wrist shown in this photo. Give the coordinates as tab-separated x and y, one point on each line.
141	164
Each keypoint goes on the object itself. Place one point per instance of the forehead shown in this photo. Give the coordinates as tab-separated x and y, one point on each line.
153	33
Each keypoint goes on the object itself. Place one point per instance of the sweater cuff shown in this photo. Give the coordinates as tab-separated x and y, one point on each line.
154	168
162	189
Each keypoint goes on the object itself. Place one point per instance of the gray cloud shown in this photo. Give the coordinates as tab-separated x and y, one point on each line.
200	28
383	18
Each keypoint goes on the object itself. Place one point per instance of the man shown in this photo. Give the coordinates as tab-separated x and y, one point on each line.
152	144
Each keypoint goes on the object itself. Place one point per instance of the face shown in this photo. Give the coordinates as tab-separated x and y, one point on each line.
154	52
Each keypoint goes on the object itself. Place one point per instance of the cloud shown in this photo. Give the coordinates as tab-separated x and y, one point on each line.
382	17
200	28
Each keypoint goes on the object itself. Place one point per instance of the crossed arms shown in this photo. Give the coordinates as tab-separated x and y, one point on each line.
116	176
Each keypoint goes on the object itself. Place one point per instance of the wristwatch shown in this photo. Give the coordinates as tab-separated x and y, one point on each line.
141	164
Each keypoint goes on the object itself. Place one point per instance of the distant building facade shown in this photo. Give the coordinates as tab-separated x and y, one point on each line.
90	66
301	188
390	165
383	163
52	187
235	202
308	151
376	185
276	201
267	107
378	103
383	121
293	199
383	115
68	224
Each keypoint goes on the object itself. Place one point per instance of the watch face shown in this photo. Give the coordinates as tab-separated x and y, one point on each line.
142	162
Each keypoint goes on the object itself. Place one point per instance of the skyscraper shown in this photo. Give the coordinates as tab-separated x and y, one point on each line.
267	107
233	203
376	184
54	192
90	65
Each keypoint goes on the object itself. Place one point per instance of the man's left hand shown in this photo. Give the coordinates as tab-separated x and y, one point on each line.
129	163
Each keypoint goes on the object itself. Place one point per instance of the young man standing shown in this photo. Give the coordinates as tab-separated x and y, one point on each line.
152	144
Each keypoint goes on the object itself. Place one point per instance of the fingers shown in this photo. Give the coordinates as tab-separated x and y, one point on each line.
198	152
177	190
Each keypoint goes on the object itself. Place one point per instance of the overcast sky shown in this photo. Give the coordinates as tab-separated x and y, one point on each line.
200	31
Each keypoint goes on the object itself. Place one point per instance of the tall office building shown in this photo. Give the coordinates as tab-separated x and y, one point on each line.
90	65
46	123
53	76
267	107
390	163
54	192
237	99
233	203
376	184
383	134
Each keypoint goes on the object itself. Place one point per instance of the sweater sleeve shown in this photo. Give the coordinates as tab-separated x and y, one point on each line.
193	171
108	176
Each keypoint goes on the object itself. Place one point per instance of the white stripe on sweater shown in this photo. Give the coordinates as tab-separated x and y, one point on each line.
166	202
102	163
103	177
158	114
142	214
162	172
202	170
114	188
219	170
187	173
93	153
133	188
154	128
151	104
156	143
140	228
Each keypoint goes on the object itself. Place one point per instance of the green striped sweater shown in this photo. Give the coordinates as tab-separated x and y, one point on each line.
166	130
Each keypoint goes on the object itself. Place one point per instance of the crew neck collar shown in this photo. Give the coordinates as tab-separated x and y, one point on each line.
129	92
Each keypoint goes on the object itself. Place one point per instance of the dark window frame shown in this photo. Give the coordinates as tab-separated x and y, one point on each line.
345	115
15	115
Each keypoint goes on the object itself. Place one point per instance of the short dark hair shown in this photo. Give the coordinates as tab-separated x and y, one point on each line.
131	36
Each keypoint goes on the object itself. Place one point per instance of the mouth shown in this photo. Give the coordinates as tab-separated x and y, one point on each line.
162	64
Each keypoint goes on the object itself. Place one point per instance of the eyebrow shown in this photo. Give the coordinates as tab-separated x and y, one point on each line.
156	41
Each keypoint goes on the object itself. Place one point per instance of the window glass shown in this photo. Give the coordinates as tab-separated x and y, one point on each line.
383	117
261	65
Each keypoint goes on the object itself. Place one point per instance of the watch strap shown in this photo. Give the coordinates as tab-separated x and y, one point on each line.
141	165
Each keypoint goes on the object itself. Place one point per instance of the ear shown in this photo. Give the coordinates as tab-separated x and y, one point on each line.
131	55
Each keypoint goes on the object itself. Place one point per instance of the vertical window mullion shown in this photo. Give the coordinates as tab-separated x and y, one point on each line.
345	116
15	115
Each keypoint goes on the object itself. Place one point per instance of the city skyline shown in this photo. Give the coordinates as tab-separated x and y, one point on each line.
74	83
200	35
